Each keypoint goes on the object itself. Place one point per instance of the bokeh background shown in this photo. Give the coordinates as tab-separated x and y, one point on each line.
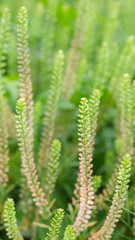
47	34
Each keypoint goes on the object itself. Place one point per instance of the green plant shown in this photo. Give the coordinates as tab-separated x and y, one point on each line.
118	201
50	114
55	225
58	194
10	221
28	165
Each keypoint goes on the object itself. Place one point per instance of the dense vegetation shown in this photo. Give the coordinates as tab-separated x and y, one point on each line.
67	119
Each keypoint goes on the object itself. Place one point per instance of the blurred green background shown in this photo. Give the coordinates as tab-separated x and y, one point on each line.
62	28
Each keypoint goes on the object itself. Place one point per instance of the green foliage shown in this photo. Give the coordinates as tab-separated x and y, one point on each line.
56	222
4	151
81	44
118	201
52	168
96	182
126	114
50	114
125	64
69	233
24	66
80	74
113	18
48	42
28	165
10	221
93	112
102	67
4	40
98	45
88	112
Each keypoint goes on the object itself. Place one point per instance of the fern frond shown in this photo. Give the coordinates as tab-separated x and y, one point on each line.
10	221
28	165
52	168
52	103
56	223
85	157
69	233
118	201
24	66
4	40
